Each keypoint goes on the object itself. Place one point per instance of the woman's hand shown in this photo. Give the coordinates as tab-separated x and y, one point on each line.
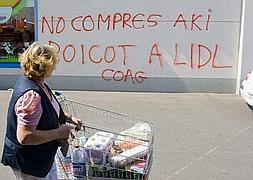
73	120
64	131
77	122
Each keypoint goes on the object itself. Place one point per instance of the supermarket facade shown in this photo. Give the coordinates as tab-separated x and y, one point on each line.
160	46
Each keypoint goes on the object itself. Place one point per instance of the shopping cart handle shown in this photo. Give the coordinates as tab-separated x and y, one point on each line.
57	93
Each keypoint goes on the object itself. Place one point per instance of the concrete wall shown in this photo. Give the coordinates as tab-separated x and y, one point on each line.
165	50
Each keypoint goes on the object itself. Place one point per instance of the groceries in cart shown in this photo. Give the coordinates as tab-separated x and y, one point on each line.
125	151
132	144
111	146
73	164
98	147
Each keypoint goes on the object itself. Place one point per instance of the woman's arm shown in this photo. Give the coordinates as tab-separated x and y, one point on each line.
28	135
29	110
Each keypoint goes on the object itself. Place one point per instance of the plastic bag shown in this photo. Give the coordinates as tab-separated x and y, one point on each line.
140	130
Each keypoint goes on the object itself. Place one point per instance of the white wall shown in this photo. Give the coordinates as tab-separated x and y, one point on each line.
215	46
218	41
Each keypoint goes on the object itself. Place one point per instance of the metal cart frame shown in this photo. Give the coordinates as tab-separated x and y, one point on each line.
96	120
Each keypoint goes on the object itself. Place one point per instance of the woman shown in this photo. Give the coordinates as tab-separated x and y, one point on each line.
35	120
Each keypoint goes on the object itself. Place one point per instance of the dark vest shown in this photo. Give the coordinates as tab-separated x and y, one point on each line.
35	160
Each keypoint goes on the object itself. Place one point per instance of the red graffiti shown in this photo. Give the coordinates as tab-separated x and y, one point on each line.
193	23
65	52
96	54
180	19
59	28
61	22
118	75
88	23
176	60
44	22
114	58
155	52
198	51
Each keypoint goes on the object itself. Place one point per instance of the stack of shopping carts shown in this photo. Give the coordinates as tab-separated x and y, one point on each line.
115	146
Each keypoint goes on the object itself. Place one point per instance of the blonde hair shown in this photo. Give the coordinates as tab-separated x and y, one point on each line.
38	61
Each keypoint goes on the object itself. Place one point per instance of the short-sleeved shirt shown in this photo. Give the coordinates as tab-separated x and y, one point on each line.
28	108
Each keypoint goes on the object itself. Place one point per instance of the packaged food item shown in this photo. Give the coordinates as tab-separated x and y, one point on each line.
138	166
126	142
78	160
129	156
140	130
115	150
98	146
134	136
64	165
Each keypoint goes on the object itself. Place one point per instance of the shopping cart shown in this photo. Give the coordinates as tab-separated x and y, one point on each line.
116	146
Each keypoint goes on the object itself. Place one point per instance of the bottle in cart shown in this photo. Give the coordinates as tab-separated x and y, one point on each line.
64	165
78	160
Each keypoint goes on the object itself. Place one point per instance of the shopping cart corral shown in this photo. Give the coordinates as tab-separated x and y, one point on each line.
110	146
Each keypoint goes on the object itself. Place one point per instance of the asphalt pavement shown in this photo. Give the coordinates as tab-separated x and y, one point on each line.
197	136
